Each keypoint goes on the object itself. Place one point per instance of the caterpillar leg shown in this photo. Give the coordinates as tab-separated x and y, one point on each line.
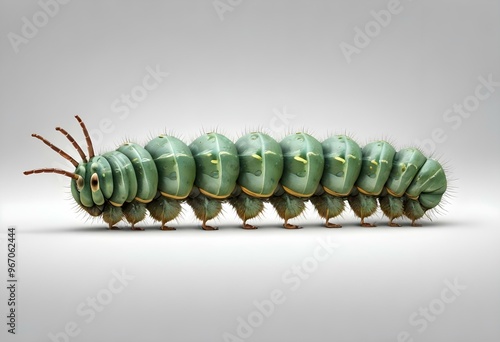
164	209
94	211
328	207
413	210
112	215
134	212
290	226
247	208
363	206
248	226
392	207
328	224
205	209
287	207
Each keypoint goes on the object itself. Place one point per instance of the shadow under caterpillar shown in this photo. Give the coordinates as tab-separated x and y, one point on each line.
128	182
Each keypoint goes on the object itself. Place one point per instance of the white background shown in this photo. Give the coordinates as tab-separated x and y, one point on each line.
236	71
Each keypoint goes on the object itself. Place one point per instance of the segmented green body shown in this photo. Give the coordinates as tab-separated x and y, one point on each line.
132	180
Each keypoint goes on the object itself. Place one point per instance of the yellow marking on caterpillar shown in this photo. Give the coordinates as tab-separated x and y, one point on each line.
351	156
214	161
300	159
342	160
412	197
224	152
364	192
270	152
296	194
384	161
170	155
374	162
172	196
115	204
392	193
334	193
142	200
208	194
256	156
254	194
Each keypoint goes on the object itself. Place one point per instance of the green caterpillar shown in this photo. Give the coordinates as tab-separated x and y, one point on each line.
158	177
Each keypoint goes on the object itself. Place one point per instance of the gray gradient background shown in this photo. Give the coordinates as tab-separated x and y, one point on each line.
233	75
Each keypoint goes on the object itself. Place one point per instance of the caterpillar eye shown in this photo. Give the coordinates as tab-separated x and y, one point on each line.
79	183
94	182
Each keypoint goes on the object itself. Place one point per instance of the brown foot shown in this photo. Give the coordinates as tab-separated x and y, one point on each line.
136	228
415	224
394	224
332	225
248	226
290	226
113	228
205	227
366	224
167	228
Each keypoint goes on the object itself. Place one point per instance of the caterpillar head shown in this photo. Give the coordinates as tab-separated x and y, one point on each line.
92	180
93	185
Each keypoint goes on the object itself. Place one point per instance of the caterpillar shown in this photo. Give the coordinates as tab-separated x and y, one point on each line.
159	177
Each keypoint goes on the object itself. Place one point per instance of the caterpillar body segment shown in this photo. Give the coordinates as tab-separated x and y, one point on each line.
302	170
406	165
261	164
176	175
157	178
343	158
426	190
376	165
217	169
175	166
124	179
303	164
145	171
261	168
217	165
